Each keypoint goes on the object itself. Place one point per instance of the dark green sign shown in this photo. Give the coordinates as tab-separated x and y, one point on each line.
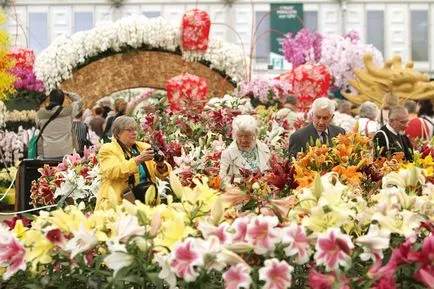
284	18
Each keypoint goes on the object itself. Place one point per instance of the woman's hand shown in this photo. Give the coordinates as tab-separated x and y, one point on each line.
145	155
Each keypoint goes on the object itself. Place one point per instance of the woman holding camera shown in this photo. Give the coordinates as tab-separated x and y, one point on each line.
127	165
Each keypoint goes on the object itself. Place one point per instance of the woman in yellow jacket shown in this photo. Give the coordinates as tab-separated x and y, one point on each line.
126	162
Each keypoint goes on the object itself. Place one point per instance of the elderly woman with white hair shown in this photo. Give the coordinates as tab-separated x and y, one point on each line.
319	129
245	152
368	114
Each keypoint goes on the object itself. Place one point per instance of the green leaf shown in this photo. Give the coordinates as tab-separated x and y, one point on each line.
159	284
33	286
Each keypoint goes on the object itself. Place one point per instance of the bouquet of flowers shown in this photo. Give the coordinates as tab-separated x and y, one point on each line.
264	91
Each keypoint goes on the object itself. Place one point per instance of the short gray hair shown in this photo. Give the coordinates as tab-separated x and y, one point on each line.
245	123
369	110
411	106
397	111
323	103
344	103
122	123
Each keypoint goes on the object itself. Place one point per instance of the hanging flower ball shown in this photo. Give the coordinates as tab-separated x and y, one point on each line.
187	93
309	82
23	57
195	30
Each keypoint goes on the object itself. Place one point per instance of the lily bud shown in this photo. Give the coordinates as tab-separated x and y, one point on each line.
155	223
150	195
414	176
230	258
176	185
240	247
217	211
317	187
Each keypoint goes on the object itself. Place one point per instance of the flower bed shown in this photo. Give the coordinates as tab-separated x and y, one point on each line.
336	218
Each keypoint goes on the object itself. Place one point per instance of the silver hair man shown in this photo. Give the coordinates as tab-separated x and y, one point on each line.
323	103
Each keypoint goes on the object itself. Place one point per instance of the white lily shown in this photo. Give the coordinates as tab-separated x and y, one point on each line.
374	242
118	260
81	242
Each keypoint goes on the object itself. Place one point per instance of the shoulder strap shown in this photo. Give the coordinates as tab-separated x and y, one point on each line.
428	120
385	137
366	128
53	116
423	129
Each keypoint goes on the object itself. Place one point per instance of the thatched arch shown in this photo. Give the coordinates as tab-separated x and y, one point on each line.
138	69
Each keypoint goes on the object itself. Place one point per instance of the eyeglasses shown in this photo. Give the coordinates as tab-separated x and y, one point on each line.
131	129
245	136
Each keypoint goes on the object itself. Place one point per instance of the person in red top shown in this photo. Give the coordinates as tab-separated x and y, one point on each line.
418	128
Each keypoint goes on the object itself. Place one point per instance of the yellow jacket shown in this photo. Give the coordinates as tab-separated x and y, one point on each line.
115	170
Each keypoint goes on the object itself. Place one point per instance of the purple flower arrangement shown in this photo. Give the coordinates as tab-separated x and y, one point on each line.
341	55
26	79
305	47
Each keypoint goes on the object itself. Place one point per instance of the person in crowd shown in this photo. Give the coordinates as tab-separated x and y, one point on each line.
319	129
81	133
391	138
96	123
426	112
417	128
58	138
344	106
245	152
368	114
120	109
106	105
389	100
289	111
126	163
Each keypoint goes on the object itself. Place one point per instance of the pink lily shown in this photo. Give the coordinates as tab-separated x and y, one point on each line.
277	275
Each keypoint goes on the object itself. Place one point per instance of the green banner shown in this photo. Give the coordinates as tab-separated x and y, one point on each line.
285	17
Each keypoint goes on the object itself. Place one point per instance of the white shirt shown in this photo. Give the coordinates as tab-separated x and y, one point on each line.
367	126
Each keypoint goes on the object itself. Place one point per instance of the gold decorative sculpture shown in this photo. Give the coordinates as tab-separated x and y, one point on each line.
373	82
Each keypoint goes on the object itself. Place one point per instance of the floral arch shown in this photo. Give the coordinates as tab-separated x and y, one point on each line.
134	52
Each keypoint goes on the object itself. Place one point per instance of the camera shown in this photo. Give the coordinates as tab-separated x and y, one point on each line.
158	157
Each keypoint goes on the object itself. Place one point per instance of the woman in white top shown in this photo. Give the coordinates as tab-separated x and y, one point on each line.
368	114
245	152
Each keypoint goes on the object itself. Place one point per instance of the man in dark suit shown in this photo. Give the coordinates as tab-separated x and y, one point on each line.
320	128
390	138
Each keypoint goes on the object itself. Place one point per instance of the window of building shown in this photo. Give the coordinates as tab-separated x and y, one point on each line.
152	14
83	21
38	31
262	41
375	29
311	20
419	35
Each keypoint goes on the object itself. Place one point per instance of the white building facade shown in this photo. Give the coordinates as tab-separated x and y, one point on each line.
394	27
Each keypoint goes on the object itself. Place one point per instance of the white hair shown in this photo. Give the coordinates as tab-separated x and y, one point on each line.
369	110
323	103
245	123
